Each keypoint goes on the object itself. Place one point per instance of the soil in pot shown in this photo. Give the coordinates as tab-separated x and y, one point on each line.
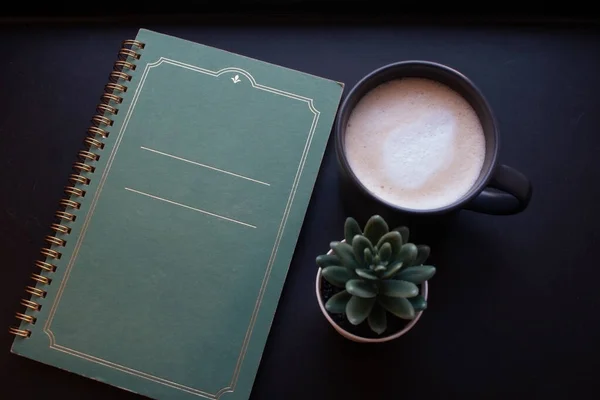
394	324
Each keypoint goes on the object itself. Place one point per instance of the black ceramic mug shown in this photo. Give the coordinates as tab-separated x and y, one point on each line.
499	189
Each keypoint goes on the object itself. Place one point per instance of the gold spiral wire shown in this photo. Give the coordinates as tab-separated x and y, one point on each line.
133	43
41	279
99	130
24	317
114	87
103	107
68	203
95	131
45	266
126	53
81	167
31	304
121	65
35	291
53	240
91	142
108	97
19	332
60	228
74	191
65	216
98	120
88	155
50	253
116	76
76	178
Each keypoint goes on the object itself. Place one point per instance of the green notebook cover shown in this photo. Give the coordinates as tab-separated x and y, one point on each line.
171	273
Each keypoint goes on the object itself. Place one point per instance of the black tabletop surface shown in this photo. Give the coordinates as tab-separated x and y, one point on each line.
513	310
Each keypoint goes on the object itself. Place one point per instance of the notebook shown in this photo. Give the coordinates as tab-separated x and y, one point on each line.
162	272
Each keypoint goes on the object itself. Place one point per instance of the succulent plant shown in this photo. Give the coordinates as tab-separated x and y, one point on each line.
379	271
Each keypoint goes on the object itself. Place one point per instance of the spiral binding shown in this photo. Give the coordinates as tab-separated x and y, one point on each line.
64	216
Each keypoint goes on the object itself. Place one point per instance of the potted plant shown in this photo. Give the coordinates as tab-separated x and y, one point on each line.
372	285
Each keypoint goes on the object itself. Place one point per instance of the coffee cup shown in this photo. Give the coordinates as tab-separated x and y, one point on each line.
420	138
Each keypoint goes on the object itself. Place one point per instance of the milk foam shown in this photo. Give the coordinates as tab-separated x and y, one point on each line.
415	143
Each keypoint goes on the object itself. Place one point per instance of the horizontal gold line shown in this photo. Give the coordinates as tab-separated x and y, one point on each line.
205	166
190	208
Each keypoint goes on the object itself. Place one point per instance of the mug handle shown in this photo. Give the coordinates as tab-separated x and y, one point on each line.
508	192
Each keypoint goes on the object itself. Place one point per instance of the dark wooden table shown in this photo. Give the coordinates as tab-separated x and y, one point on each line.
514	306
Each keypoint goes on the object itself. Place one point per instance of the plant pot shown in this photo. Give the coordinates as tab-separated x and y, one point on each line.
356	338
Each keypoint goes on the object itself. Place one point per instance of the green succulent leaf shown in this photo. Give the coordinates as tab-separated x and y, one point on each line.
404	231
408	254
325	260
358	309
361	288
351	229
366	274
395	240
394	288
368	257
346	254
337	276
377	319
359	244
417	274
422	254
376	261
375	228
391	270
385	252
418	302
337	303
399	306
380	268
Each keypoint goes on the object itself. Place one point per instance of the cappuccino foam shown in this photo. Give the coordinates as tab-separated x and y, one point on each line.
415	143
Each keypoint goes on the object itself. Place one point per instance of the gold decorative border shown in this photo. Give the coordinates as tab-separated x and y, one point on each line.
233	382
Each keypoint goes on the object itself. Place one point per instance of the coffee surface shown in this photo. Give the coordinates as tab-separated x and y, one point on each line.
415	143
